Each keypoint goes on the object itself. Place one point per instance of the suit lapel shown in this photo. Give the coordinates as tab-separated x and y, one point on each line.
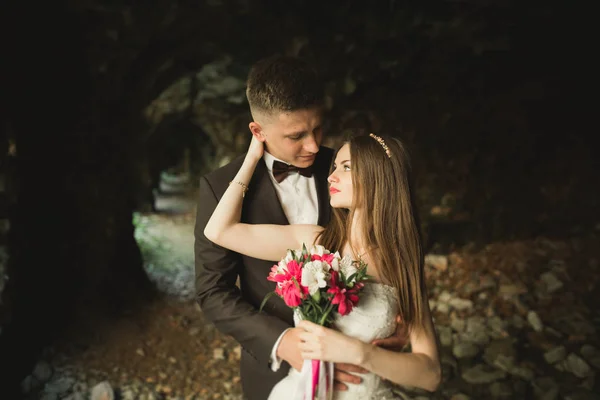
263	205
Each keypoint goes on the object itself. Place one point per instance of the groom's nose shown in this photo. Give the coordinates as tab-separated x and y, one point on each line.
310	144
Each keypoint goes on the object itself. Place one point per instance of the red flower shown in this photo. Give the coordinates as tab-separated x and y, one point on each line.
345	298
328	258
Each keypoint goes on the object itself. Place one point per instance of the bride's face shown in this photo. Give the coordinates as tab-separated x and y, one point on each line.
340	180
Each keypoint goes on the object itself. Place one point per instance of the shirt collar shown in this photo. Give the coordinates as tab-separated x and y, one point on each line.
269	159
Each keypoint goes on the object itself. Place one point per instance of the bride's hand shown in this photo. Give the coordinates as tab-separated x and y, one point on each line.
320	343
256	148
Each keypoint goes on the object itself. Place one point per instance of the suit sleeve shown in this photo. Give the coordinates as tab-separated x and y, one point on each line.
221	301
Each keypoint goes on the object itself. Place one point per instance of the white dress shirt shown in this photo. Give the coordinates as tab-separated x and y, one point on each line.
298	197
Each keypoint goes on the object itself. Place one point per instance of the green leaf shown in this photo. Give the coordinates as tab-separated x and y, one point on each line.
267	297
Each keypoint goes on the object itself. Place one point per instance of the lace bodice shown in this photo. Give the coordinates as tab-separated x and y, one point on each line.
375	315
373	318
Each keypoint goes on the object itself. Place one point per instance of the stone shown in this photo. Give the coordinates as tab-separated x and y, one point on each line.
577	366
42	371
480	338
505	363
591	354
29	384
496	327
465	350
551	282
588	383
219	354
439	262
460	304
445	335
237	351
500	348
545	388
517	321
522	372
460	396
128	394
500	390
480	374
555	355
487	282
444	297
102	391
447	359
60	385
75	396
581	394
573	323
432	304
140	352
443	308
511	290
535	321
458	324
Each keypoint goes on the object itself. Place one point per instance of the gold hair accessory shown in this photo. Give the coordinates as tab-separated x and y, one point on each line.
382	143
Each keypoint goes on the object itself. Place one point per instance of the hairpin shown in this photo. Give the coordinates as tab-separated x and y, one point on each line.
382	143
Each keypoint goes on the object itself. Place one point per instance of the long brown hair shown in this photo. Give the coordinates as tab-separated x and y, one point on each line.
382	188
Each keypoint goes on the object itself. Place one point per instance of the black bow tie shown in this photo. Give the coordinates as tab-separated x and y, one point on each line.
281	170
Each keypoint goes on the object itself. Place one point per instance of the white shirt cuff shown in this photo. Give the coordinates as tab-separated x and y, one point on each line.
276	361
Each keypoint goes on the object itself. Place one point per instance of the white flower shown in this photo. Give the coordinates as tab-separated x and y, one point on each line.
347	266
319	250
314	275
335	263
282	265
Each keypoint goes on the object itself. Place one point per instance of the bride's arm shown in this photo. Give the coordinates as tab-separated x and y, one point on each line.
421	368
266	242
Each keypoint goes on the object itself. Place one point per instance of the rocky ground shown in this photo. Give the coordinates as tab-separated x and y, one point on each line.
515	320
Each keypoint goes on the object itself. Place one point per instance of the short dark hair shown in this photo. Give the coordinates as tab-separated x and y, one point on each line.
283	83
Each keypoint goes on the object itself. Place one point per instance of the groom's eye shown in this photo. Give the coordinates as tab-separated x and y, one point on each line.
296	137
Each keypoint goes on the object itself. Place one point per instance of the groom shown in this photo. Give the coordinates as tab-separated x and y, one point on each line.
289	187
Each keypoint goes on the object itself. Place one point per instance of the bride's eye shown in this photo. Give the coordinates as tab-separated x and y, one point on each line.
346	168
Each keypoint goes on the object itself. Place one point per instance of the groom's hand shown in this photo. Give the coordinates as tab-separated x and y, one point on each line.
344	373
289	349
397	341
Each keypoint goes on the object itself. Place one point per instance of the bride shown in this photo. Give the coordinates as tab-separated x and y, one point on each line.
374	220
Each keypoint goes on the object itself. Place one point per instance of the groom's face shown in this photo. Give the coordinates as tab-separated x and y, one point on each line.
293	137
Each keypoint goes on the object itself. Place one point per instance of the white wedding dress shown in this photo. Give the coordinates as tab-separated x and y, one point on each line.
373	318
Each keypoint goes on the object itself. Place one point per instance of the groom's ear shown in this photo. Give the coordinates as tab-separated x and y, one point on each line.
257	131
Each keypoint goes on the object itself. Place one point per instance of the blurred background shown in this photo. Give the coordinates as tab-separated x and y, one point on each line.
111	110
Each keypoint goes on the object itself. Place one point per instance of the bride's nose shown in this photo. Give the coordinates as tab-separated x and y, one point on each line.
332	178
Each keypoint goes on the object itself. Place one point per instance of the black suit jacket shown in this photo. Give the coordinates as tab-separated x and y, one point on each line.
235	311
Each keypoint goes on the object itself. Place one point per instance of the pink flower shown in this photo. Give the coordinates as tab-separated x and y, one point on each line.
291	293
295	269
291	270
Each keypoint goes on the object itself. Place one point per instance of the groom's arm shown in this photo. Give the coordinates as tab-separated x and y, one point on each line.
217	270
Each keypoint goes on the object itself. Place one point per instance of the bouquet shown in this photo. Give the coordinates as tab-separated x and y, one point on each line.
317	284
